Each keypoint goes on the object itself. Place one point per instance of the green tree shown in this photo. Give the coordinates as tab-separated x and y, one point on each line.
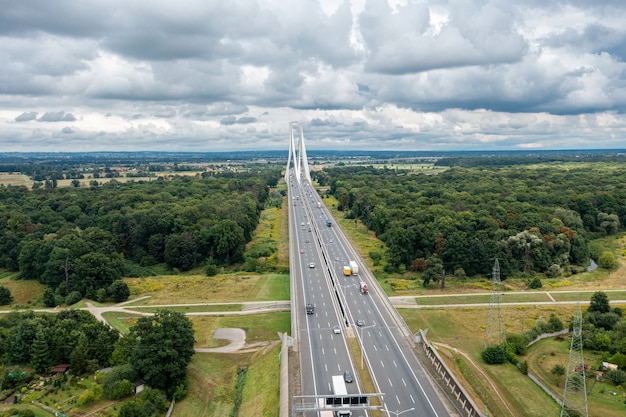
494	355
49	298
607	260
165	348
616	376
180	251
40	357
119	291
80	361
5	296
599	303
534	282
112	379
123	349
619	359
73	297
132	409
609	222
517	343
433	272
228	241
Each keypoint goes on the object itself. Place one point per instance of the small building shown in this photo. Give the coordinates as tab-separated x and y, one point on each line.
60	369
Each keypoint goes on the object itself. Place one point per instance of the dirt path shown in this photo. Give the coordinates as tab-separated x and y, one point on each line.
486	377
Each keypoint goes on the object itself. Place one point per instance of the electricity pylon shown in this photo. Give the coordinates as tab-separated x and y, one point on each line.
575	392
495	334
298	153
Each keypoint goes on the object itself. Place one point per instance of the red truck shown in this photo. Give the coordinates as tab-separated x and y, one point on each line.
363	287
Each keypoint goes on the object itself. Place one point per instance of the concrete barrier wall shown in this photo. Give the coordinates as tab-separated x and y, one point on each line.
464	401
284	377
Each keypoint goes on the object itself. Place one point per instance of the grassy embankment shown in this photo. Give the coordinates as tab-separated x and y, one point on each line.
213	376
458	332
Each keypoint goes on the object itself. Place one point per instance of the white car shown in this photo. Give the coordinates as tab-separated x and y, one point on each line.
336	329
311	265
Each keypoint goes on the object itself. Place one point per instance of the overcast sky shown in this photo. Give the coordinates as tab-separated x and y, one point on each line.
211	75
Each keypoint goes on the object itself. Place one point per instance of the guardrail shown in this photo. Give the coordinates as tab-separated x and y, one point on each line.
461	396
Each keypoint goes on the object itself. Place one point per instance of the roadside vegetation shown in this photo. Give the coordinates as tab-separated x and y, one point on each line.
255	268
458	332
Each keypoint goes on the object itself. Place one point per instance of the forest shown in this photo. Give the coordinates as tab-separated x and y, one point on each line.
82	240
534	219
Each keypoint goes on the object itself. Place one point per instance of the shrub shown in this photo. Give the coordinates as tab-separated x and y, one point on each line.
460	274
616	376
211	270
555	324
494	355
118	290
554	271
5	296
607	260
558	370
111	381
534	283
122	389
101	295
49	298
73	298
517	343
523	367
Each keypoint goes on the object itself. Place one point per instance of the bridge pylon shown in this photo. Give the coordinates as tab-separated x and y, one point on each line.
297	152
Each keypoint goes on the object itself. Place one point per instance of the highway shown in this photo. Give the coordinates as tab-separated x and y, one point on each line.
338	301
323	353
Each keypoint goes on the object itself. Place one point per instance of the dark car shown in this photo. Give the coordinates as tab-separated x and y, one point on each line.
347	376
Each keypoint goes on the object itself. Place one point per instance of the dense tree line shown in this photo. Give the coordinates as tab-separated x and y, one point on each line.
157	350
84	239
41	341
530	218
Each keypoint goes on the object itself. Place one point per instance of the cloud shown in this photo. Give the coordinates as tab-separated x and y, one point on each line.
26	116
231	75
57	116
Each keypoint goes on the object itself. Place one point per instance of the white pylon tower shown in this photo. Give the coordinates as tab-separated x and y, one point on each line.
575	392
495	334
298	153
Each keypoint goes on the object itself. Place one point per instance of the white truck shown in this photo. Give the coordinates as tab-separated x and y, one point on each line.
339	388
354	268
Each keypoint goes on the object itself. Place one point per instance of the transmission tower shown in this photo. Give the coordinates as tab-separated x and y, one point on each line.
495	333
575	392
297	151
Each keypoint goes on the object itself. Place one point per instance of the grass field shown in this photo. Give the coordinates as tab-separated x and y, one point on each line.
190	289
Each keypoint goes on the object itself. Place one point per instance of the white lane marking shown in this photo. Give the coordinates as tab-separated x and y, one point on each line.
412	398
403	381
394	363
382	364
390	383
